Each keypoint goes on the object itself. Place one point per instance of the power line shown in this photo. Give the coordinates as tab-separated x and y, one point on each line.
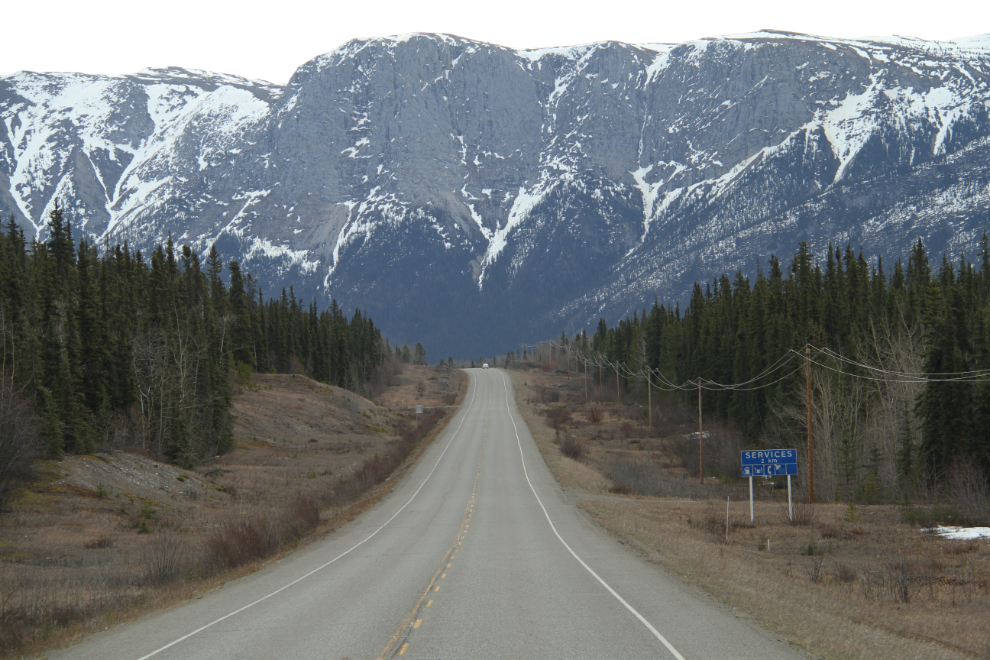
875	374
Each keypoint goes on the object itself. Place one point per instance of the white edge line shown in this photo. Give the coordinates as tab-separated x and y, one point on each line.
320	568
605	584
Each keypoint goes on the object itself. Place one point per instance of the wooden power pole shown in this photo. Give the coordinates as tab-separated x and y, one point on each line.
811	445
701	439
649	399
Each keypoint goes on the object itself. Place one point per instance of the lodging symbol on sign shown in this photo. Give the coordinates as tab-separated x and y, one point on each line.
769	470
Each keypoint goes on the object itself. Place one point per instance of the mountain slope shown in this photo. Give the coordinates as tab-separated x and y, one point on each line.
473	197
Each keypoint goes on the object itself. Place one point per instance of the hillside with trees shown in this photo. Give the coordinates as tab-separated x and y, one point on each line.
900	366
115	348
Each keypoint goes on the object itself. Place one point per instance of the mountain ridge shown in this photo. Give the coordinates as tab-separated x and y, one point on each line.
477	196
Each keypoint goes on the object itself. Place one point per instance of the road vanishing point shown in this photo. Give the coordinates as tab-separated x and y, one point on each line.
476	553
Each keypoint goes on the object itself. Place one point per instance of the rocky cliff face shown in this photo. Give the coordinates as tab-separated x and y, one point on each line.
473	197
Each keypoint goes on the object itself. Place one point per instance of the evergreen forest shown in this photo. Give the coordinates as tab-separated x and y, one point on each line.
900	373
120	349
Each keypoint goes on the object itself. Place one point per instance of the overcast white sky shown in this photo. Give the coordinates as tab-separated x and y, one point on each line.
270	39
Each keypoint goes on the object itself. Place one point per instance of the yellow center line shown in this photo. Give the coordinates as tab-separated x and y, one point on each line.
405	625
417	622
429	602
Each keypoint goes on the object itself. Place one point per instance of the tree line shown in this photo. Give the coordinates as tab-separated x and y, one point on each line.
116	348
877	430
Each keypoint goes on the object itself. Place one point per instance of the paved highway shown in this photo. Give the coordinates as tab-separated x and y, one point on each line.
475	554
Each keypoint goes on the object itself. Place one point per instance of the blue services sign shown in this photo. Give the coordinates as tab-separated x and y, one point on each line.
769	462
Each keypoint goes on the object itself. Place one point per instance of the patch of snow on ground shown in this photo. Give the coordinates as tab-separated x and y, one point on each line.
961	533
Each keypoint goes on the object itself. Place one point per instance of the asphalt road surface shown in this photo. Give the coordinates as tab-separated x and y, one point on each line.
475	554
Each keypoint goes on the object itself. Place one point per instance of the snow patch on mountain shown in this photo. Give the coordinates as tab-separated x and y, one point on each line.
522	206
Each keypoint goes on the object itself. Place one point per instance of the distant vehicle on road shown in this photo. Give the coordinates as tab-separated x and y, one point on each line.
484	366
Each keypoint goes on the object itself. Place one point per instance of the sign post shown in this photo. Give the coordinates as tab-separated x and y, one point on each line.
769	463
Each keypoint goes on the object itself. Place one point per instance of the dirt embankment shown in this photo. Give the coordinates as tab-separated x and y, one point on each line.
105	537
841	581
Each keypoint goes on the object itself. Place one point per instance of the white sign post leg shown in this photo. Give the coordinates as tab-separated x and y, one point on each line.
790	505
751	499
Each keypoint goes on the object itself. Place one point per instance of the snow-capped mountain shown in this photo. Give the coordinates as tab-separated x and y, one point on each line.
473	197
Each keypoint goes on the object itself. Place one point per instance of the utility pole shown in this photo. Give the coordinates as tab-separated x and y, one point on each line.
618	397
701	438
649	399
586	379
811	445
601	392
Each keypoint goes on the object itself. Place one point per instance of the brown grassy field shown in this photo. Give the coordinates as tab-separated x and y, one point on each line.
840	581
103	538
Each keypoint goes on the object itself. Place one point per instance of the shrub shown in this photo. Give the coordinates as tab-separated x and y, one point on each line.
164	556
101	542
301	516
548	394
596	414
647	478
558	417
805	515
713	522
246	538
571	447
931	516
378	468
239	541
816	569
969	492
844	573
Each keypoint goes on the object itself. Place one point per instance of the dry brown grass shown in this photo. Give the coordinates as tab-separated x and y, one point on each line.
888	592
842	582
